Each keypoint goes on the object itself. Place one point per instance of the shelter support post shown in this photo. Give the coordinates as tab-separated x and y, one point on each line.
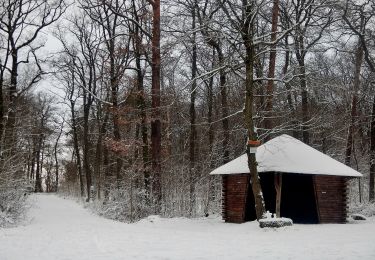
278	186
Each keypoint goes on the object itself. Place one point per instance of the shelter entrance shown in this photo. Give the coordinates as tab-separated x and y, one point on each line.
297	197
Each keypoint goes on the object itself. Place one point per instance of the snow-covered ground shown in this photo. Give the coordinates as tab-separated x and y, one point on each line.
61	229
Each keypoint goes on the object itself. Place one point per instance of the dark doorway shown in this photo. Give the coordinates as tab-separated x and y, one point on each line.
297	199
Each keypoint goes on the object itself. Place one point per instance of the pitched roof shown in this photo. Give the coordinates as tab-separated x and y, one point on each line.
289	155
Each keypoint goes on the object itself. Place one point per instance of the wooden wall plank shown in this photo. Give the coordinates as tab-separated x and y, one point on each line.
234	197
331	198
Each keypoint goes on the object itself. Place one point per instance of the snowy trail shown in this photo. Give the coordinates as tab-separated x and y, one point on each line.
62	229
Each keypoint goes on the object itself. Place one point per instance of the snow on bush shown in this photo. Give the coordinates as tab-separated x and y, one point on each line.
122	205
13	192
366	209
274	222
13	203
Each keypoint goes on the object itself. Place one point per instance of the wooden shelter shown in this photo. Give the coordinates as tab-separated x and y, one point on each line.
314	185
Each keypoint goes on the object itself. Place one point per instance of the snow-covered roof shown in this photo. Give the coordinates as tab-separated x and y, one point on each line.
289	155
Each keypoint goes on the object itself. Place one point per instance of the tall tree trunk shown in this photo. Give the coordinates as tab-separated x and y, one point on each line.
116	116
2	111
38	176
12	97
260	102
102	129
252	164
33	158
271	71
247	36
353	113
278	180
300	55
155	103
304	102
141	101
211	136
107	172
56	157
224	105
86	147
76	149
193	130
372	153
289	91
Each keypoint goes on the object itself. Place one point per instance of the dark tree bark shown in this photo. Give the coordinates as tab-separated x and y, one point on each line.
141	103
86	143
271	71
353	112
38	176
278	187
55	151
304	93
224	107
102	131
115	108
247	34
211	136
12	96
372	153
193	130
75	137
155	103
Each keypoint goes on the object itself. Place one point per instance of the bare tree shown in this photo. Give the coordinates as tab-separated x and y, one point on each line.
155	104
359	17
21	23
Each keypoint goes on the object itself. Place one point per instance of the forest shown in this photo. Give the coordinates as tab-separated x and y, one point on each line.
138	100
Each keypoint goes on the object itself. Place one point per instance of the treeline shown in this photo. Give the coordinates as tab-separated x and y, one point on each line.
159	94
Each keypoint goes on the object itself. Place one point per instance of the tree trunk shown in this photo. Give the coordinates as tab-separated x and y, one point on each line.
252	164
271	72
289	91
224	106
353	113
193	130
372	153
2	111
278	187
33	158
211	136
86	147
247	36
107	173
76	149
56	158
116	116
300	55
102	129
141	100
12	97
155	103
38	177
304	103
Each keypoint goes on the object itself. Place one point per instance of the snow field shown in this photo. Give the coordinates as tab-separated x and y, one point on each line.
62	229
